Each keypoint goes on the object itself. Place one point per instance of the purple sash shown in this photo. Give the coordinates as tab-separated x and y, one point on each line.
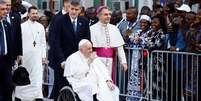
108	53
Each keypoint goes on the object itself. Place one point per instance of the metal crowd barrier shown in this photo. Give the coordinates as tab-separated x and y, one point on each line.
159	76
174	76
133	84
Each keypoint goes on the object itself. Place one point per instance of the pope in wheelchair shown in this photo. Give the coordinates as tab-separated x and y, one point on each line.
88	76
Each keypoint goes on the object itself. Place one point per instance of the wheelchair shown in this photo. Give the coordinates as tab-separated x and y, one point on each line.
67	94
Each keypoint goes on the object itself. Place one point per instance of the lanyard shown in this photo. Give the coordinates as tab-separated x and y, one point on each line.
131	27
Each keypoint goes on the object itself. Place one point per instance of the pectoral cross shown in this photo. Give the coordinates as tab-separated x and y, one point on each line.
34	43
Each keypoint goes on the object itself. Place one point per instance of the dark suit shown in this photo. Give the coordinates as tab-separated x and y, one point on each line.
54	17
15	22
59	13
5	67
92	21
63	42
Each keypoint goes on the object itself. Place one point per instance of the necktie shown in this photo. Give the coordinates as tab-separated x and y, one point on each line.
2	44
74	27
8	18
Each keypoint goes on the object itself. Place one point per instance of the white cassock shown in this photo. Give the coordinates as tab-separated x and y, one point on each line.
89	79
100	39
32	60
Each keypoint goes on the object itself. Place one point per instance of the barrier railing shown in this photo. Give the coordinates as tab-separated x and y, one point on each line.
174	76
159	76
133	84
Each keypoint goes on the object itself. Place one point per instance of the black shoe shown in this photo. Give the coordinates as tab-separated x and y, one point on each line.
17	99
39	99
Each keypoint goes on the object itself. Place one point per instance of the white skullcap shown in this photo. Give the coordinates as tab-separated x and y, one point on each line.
145	17
82	42
184	7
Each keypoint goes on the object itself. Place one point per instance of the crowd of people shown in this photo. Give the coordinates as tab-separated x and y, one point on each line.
64	42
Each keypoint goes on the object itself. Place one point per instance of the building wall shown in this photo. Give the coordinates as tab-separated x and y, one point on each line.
33	2
44	4
87	3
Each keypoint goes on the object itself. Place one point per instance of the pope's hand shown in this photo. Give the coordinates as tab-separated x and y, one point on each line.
92	57
110	84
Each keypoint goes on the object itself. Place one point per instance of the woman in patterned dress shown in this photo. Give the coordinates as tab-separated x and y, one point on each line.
136	78
156	41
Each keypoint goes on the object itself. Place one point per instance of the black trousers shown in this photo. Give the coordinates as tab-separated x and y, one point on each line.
59	83
94	98
6	86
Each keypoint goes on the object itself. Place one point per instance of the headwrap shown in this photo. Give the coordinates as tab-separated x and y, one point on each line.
145	17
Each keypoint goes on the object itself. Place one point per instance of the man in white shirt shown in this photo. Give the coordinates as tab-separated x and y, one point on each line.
107	40
34	55
89	76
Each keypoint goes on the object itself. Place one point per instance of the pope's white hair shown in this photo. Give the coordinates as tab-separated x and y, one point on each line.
82	42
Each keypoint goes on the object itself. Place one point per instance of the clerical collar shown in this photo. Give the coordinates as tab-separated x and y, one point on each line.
32	22
84	57
102	24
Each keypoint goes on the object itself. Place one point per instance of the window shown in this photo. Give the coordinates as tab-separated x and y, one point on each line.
116	6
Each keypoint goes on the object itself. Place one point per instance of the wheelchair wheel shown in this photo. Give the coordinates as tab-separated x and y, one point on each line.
67	94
